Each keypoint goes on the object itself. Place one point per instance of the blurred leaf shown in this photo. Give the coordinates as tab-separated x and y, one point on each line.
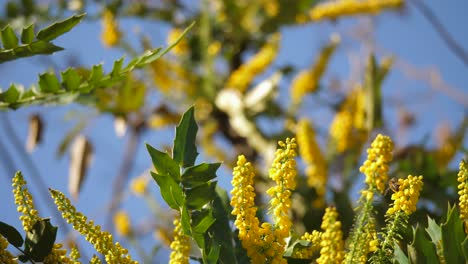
27	35
425	250
80	160
59	28
40	240
71	79
170	190
213	255
221	229
199	174
48	83
72	134
185	150
11	95
400	256
199	196
11	234
9	39
34	132
164	164
453	236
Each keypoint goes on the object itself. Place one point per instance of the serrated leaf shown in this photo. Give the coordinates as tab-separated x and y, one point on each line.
164	164
465	249
400	256
185	150
9	38
96	74
27	35
59	28
48	83
170	190
40	240
453	236
425	249
11	95
434	231
117	68
71	79
199	174
11	234
199	196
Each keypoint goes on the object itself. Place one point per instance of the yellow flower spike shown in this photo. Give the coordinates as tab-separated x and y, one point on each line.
339	8
376	166
180	246
95	260
139	185
75	255
406	198
316	170
241	78
463	190
57	255
5	256
331	240
314	238
182	47
307	81
101	240
111	34
24	201
122	223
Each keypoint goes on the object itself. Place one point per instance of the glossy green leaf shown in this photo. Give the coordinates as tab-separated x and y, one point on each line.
59	28
199	174
11	234
296	245
11	95
71	79
170	190
453	236
9	39
185	150
199	196
202	221
164	164
40	240
48	83
185	221
27	35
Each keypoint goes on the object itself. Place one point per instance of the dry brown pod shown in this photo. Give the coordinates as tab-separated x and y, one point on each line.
34	132
80	159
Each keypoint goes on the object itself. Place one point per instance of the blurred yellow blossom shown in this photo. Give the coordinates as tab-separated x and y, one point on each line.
122	223
182	47
139	185
111	34
5	256
338	8
314	238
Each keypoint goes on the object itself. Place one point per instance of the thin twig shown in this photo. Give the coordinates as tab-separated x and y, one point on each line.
451	43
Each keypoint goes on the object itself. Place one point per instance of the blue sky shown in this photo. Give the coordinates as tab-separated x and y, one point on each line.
407	36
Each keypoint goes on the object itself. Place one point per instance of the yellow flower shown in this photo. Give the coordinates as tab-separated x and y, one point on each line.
110	30
271	7
122	223
331	240
463	190
241	78
182	47
316	170
75	255
307	81
101	240
180	246
339	8
57	255
307	253
95	260
376	166
5	256
139	185
406	198
24	201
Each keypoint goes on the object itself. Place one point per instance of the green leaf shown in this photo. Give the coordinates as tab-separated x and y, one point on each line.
465	249
202	220
40	240
9	39
453	236
434	231
48	83
59	28
200	195
199	174
164	164
96	74
425	250
170	191
11	234
185	150
400	256
213	255
71	79
185	220
221	228
11	95
297	244
27	36
117	68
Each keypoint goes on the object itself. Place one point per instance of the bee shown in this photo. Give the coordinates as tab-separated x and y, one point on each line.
393	185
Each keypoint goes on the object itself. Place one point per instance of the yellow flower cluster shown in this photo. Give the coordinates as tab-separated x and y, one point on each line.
347	129
314	239
122	223
24	201
244	75
307	81
406	198
5	256
180	246
101	240
331	243
139	185
376	166
182	47
95	260
366	243
58	255
110	30
339	8
463	190
75	255
316	170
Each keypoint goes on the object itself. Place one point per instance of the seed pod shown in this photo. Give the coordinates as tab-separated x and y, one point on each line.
80	159
34	132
